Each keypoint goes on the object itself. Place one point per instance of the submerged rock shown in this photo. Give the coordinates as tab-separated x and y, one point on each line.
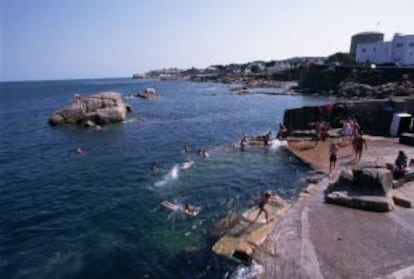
102	108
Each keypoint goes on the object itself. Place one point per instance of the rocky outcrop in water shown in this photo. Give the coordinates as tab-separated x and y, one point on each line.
102	108
148	94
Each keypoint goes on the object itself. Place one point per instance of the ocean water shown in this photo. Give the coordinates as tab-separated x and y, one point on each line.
98	215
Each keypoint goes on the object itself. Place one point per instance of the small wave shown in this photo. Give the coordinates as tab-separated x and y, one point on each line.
129	120
171	175
275	144
247	272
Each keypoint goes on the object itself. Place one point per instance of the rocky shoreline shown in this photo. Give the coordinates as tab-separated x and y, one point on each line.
306	75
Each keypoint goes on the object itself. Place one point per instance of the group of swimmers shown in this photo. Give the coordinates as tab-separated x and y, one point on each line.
187	208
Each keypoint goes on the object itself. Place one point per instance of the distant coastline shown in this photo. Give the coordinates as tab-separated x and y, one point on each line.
333	76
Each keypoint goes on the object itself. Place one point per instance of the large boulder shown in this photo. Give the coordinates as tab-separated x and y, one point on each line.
367	186
101	108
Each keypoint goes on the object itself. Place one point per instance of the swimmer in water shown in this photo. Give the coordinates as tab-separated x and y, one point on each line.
243	142
189	209
187	164
202	152
155	167
79	151
187	149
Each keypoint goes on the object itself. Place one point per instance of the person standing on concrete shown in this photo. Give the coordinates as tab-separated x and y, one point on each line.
332	156
358	143
262	203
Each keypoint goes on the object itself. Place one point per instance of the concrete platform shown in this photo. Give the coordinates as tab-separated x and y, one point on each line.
249	233
319	240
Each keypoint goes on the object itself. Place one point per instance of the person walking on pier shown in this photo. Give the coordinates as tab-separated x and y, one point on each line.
358	143
332	157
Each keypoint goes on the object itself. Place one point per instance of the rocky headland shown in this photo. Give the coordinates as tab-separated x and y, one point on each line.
333	76
96	109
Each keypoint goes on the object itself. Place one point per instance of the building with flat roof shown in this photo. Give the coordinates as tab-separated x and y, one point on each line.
364	37
400	50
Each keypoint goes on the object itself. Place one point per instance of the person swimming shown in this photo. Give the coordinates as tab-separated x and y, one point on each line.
79	151
155	167
266	138
202	152
243	142
187	164
187	208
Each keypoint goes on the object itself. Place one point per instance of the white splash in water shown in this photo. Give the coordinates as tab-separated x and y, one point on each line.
275	144
171	175
247	272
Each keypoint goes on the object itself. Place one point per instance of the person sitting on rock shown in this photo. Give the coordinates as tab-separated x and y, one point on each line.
400	165
77	99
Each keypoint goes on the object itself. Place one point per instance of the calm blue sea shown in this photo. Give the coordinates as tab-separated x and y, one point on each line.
98	215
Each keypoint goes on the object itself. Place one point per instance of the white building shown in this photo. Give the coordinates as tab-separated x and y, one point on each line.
403	49
400	50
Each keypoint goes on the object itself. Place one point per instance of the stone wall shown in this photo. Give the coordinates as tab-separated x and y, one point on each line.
374	116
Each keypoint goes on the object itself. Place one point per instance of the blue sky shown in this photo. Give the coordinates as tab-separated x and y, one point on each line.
59	39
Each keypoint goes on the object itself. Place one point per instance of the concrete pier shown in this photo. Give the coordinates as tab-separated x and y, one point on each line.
319	240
